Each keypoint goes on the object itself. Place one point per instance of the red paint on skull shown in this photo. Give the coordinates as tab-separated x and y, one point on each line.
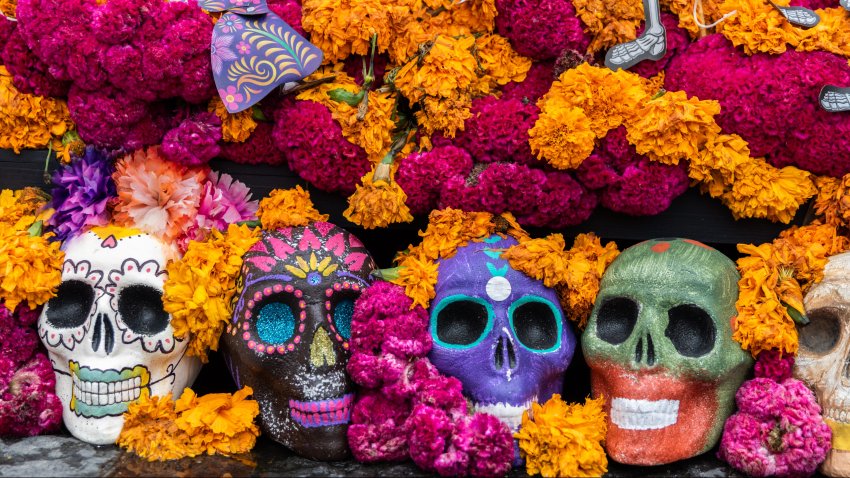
686	436
660	247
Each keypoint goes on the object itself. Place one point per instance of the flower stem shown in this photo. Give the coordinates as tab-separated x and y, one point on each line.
46	175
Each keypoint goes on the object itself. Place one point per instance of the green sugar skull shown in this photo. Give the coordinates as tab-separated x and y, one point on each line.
660	349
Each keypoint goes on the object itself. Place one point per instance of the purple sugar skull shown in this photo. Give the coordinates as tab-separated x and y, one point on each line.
288	339
500	332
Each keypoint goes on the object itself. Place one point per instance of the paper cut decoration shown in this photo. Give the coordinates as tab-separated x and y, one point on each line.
253	51
651	45
799	16
834	99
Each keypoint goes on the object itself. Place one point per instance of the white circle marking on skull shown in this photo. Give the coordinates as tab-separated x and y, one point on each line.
498	288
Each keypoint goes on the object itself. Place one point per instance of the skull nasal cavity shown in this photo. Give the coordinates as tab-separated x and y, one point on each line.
504	353
322	349
103	332
616	319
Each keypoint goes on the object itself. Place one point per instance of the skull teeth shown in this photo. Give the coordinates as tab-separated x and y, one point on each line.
322	413
631	414
103	393
510	415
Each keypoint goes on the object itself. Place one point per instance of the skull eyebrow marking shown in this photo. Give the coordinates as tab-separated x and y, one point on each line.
280	277
501	272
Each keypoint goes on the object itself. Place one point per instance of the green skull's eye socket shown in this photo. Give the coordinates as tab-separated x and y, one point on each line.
616	319
691	329
822	332
461	321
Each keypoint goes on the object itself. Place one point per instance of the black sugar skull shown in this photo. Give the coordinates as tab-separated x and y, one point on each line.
288	338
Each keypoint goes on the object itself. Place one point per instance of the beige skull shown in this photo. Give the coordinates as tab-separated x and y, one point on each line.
823	361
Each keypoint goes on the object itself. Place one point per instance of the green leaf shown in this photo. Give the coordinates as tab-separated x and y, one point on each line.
36	229
340	94
387	274
799	317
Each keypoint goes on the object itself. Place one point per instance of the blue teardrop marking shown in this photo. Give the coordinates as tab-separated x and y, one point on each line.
275	323
342	317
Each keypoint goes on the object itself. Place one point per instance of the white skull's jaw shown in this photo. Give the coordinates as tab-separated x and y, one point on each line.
631	414
98	393
510	415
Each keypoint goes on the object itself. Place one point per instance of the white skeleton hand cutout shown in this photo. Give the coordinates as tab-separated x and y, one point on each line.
107	334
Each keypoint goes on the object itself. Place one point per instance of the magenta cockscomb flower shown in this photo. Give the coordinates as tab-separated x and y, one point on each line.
195	141
777	431
541	29
81	193
421	175
315	149
407	409
537	82
771	101
497	130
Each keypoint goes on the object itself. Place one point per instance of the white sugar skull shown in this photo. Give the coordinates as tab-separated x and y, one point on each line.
823	360
107	334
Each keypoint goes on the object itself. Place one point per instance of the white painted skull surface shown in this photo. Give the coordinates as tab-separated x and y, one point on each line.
107	334
823	360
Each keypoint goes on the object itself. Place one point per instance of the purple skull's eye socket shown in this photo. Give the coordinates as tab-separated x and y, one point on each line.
461	321
537	324
616	319
71	306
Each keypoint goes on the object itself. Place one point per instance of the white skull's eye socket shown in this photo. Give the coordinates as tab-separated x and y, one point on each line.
823	331
140	308
461	321
616	319
536	324
691	330
275	323
71	306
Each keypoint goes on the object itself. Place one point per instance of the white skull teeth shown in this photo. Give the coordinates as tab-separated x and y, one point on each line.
631	414
510	415
837	415
100	393
96	393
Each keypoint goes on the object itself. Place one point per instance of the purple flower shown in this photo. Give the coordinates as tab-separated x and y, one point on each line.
81	191
221	52
231	97
243	47
230	24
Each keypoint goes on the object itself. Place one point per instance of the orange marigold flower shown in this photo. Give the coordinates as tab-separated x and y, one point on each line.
19	209
709	11
757	26
29	121
448	229
673	127
560	439
609	22
719	163
588	260
500	61
418	276
607	98
377	203
235	127
201	286
763	191
833	200
341	28
30	268
543	259
447	65
371	130
288	208
831	34
562	136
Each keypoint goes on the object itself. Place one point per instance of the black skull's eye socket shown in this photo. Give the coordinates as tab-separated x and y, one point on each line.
275	323
691	329
616	319
343	311
140	308
536	323
461	321
822	332
71	306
